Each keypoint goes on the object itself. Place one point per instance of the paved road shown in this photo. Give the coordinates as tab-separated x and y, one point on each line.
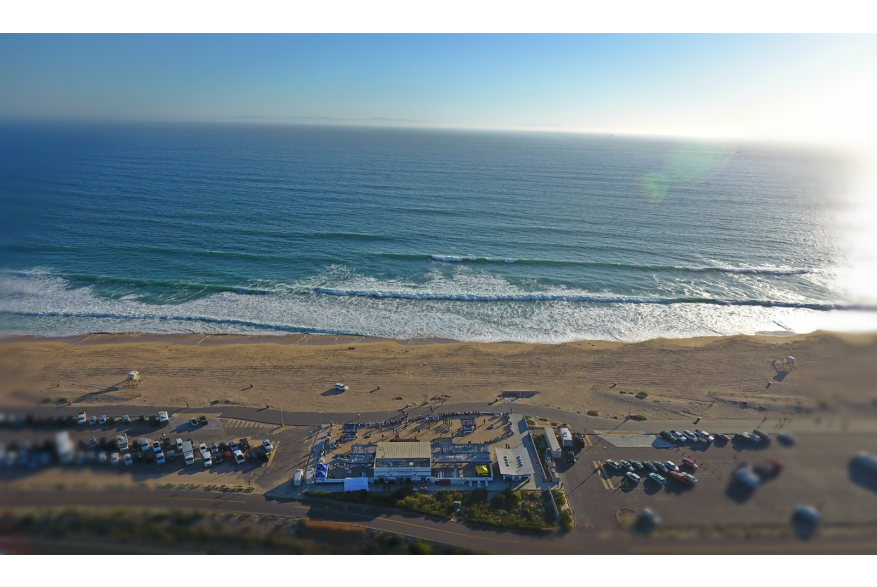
442	531
576	421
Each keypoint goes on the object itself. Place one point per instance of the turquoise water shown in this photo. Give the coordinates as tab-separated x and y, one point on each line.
408	233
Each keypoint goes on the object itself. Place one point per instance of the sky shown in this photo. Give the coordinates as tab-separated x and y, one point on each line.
785	87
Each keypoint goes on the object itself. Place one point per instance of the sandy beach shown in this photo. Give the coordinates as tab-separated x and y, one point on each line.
723	377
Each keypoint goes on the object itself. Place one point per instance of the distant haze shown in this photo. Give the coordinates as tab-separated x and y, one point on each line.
810	88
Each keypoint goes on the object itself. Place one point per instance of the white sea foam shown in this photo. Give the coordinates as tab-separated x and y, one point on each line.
44	304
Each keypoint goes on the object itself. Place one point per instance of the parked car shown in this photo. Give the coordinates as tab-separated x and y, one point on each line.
127	458
159	458
126	419
213	447
162	418
865	460
111	419
679	436
202	447
171	455
206	458
672	466
723	438
245	444
662	468
179	444
636	464
690	464
114	458
786	438
579	439
80	418
156	446
651	466
144	444
627	466
764	436
570	457
340	387
679	478
266	444
613	464
633	477
261	455
153	420
92	443
102	456
239	457
193	421
233	445
202	420
690	436
657	478
705	436
92	420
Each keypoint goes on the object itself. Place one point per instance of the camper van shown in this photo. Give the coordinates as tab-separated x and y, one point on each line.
566	438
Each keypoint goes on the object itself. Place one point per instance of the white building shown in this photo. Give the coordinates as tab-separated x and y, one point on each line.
403	460
514	463
553	445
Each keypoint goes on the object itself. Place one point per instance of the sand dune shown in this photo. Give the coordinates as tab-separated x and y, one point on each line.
714	377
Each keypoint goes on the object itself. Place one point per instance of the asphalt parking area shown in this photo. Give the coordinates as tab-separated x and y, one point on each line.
816	471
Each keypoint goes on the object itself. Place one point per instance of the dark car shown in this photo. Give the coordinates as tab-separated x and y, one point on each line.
102	442
202	420
722	438
636	464
245	444
570	457
579	439
667	436
786	438
262	456
137	456
662	467
223	447
111	419
764	436
651	466
153	420
142	418
217	457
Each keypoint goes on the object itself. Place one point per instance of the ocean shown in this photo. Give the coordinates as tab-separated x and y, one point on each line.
402	233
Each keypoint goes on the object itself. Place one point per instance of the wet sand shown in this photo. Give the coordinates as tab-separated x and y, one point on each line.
717	377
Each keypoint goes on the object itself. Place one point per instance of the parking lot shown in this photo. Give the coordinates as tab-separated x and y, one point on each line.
816	471
28	449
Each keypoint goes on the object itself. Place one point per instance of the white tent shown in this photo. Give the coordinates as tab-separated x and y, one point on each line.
355	483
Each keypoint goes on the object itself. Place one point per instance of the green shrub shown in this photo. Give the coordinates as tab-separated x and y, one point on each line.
318	493
642	395
593	413
566	520
559	497
638	417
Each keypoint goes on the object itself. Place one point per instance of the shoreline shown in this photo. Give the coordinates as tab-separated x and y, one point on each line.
200	339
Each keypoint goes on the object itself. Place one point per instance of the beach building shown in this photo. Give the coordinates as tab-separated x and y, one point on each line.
515	464
553	446
461	464
403	460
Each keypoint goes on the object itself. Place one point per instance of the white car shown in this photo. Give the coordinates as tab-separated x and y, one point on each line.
340	387
205	456
625	465
179	442
266	444
126	419
81	419
127	458
705	435
162	417
657	478
672	466
613	464
102	420
633	477
690	435
159	458
239	457
102	457
144	444
114	458
156	446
